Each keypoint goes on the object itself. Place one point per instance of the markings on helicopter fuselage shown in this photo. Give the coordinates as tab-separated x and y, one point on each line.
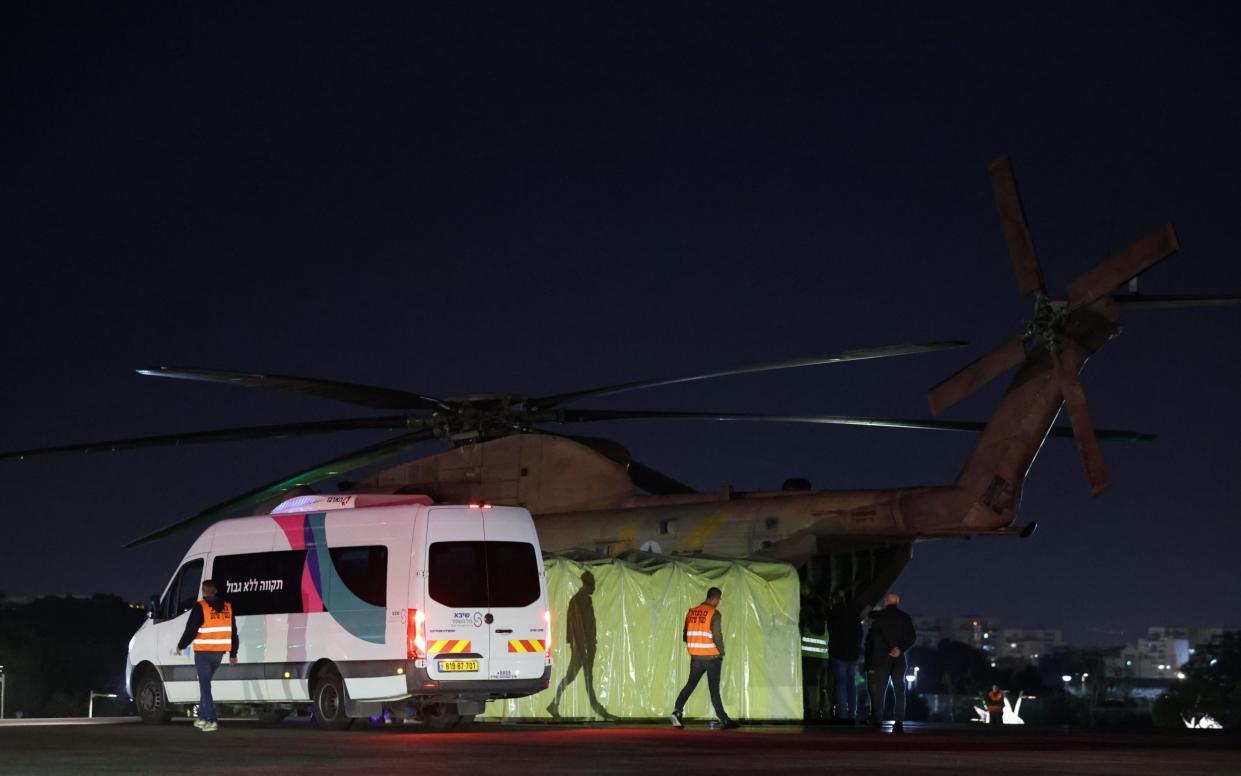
704	530
999	495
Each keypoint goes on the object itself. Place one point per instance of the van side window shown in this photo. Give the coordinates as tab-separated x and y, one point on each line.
261	582
271	582
182	591
364	570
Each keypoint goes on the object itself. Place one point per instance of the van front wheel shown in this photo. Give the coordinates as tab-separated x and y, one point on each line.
151	700
329	701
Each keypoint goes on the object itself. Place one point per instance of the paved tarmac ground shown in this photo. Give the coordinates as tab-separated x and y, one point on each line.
292	747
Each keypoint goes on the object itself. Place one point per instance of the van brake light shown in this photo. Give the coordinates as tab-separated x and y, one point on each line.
547	619
415	637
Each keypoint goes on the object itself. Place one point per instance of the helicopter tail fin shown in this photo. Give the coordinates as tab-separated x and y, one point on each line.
994	473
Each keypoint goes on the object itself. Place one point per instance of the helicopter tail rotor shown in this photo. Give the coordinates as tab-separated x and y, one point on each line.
1063	333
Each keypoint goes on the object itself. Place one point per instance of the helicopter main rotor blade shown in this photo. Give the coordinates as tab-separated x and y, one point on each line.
974	375
1167	302
592	416
1083	427
1116	271
562	399
242	433
1016	228
324	471
353	393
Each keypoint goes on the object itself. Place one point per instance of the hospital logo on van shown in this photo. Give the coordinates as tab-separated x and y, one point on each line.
466	618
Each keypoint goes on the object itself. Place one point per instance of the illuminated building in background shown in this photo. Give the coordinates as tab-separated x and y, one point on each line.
1161	653
988	635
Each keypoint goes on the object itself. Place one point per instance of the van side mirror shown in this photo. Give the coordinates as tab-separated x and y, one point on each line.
152	606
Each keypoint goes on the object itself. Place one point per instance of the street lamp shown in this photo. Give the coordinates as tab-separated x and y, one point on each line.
2	688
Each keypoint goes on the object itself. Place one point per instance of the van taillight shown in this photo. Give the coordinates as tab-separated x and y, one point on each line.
547	619
415	635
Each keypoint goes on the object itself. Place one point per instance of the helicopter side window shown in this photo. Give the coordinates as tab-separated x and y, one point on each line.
182	591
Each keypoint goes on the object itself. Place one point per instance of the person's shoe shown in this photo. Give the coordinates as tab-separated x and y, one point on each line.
199	723
677	719
210	727
729	724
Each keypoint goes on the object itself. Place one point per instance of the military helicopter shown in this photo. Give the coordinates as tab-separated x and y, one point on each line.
588	493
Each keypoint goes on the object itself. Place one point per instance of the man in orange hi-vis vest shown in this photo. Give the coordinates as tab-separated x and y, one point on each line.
213	631
704	638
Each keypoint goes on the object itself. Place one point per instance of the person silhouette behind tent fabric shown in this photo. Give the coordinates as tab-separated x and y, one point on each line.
580	635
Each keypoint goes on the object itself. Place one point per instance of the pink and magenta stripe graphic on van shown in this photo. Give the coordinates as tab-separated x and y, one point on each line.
322	588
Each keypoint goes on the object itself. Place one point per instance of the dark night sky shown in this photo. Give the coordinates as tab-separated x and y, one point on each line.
455	200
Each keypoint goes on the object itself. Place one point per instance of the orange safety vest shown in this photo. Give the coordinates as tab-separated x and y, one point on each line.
698	638
995	701
216	632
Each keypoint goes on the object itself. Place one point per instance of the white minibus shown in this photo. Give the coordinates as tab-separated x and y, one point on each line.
358	605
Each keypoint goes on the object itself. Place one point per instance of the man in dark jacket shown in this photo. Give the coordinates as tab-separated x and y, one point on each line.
212	630
812	621
891	636
844	648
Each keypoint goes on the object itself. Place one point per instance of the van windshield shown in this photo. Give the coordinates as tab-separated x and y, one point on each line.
483	574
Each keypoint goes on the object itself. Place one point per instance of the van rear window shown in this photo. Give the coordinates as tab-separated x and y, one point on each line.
458	574
483	574
512	573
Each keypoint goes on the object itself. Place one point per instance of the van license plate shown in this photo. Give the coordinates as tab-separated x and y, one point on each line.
458	665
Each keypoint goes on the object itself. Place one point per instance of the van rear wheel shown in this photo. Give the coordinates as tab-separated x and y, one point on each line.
329	701
441	716
151	700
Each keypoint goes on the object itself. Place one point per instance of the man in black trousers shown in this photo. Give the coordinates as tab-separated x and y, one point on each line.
844	647
891	636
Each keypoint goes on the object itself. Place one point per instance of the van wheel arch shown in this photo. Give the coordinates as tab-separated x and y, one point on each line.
328	696
149	695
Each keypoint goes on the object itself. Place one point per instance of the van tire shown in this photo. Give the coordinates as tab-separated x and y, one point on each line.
150	698
441	716
328	697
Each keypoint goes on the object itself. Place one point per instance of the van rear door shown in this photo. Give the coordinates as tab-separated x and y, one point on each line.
457	634
517	601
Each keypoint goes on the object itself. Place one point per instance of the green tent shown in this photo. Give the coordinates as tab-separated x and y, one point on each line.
637	663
